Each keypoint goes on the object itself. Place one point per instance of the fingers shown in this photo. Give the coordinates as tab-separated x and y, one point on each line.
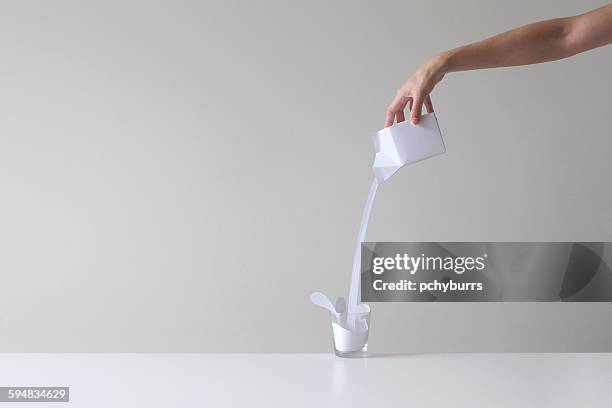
395	112
390	117
428	104
396	109
415	112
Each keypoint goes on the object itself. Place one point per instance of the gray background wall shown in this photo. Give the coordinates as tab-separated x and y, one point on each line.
179	176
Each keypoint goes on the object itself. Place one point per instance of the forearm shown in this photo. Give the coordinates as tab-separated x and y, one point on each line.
530	44
534	43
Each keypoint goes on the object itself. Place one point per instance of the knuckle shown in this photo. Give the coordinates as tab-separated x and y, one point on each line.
401	94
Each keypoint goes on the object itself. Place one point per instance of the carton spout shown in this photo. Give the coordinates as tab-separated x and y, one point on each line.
384	167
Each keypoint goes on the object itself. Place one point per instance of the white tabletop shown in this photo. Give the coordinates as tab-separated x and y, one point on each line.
310	380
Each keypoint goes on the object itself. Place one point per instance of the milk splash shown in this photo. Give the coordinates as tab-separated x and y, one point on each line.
351	325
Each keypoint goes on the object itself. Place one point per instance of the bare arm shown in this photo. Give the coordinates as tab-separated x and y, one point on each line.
531	44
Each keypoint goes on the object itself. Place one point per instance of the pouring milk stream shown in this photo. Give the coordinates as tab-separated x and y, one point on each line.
396	146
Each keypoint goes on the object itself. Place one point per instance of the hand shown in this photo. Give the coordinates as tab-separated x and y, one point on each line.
415	92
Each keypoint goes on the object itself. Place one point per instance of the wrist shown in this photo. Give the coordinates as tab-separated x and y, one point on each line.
444	62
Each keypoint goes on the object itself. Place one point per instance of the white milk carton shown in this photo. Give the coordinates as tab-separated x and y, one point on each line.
405	143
